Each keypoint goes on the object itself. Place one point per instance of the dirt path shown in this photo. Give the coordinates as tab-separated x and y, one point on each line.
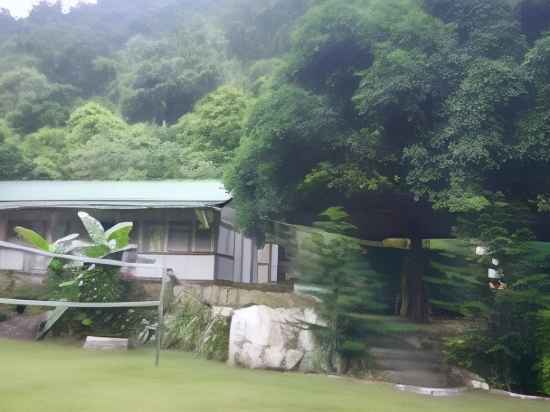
21	327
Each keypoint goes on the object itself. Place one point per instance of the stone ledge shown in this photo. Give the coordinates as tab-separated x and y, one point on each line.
107	344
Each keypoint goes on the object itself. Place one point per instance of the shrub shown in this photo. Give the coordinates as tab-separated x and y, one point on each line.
544	346
346	286
90	283
501	346
545	375
196	329
100	284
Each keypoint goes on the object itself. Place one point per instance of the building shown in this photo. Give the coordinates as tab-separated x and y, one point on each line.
189	226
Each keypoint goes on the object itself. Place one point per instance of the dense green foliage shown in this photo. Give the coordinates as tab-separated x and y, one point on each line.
332	262
503	341
90	283
195	328
398	110
544	344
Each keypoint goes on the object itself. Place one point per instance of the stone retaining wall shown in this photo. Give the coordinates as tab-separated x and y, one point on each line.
11	282
239	296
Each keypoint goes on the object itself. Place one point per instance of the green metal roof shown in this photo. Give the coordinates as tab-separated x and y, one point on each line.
112	195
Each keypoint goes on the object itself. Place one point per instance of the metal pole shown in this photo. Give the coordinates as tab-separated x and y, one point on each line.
160	324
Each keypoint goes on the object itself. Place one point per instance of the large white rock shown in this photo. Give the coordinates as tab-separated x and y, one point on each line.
266	338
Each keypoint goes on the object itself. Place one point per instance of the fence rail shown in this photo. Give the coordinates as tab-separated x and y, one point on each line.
64	304
108	262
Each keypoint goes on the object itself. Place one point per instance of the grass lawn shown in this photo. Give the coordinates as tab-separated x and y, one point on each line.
56	378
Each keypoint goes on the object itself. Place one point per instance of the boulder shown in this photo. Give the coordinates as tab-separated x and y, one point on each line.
276	339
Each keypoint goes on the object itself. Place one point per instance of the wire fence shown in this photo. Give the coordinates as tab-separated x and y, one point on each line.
92	305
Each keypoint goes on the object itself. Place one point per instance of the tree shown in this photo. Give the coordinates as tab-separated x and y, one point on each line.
118	155
332	261
215	125
12	164
46	151
160	82
378	69
29	101
534	16
486	28
260	29
452	167
286	134
501	342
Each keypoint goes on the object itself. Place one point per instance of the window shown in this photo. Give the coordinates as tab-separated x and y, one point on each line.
154	237
203	240
61	229
177	233
179	237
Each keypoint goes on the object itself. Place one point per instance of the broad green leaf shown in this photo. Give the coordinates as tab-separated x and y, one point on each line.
65	244
120	233
97	251
93	227
125	248
33	238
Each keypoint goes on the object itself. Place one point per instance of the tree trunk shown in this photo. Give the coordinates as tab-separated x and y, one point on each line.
414	302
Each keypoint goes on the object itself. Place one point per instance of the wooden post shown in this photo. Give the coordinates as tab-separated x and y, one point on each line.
160	324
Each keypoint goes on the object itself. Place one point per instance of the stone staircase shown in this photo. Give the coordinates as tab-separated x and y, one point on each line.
413	360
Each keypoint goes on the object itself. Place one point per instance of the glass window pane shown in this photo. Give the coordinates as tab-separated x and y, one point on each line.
179	237
153	237
61	229
203	240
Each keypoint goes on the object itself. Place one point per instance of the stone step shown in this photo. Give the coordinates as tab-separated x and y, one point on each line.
407	364
406	354
416	378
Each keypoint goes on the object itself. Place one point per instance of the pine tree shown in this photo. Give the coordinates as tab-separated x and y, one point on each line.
332	262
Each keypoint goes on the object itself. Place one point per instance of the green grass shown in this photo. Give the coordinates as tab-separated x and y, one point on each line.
55	378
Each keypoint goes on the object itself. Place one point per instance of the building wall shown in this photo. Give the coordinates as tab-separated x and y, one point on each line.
229	256
239	259
185	267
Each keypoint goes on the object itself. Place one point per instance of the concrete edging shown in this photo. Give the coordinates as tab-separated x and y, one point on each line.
519	395
444	392
437	392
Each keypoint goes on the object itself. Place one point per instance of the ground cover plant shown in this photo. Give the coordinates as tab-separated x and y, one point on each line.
61	378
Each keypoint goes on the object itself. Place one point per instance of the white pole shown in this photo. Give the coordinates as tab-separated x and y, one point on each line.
160	324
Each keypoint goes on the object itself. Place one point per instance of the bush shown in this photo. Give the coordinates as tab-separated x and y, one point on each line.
545	375
196	329
544	346
501	346
3	317
100	284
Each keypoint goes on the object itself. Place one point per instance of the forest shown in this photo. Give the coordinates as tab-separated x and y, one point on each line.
421	118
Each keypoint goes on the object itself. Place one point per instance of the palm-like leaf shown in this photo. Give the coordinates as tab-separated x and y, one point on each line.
33	238
65	244
97	251
93	227
120	233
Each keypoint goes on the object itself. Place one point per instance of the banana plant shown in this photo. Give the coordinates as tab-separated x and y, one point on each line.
105	242
62	246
